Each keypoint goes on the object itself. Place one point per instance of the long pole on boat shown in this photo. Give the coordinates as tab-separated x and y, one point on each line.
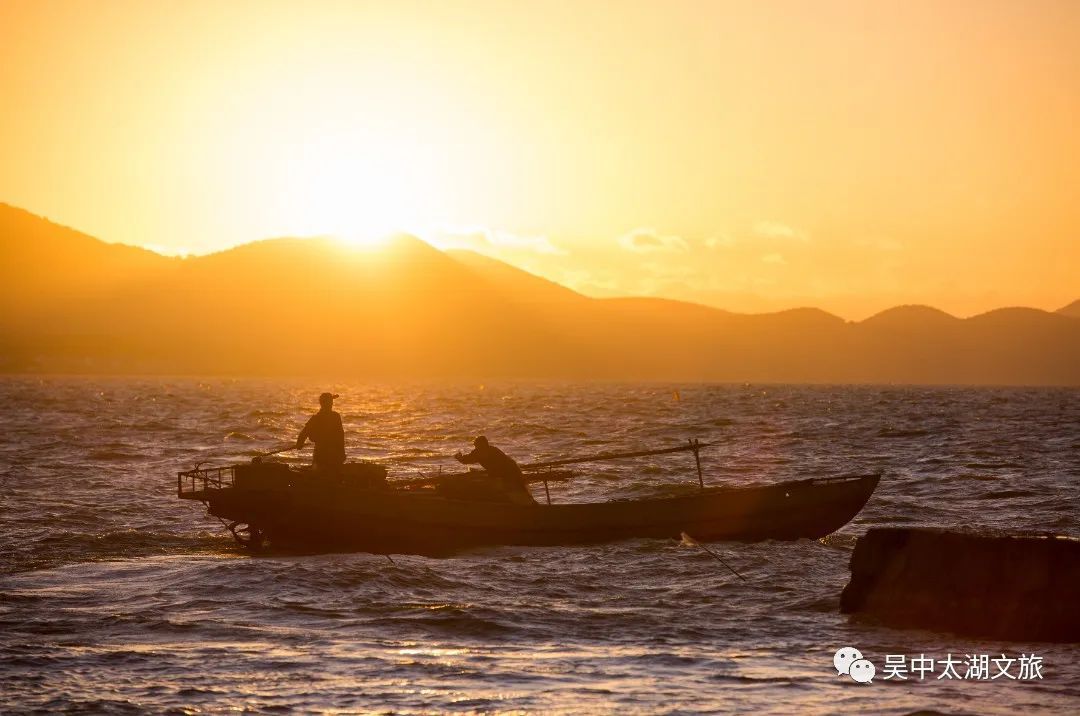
693	446
275	452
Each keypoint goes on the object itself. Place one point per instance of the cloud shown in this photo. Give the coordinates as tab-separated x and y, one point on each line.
723	241
777	230
484	238
644	241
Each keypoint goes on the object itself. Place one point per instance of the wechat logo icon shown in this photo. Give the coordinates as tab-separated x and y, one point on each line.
849	661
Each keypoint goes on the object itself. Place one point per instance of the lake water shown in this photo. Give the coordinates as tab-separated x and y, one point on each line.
115	596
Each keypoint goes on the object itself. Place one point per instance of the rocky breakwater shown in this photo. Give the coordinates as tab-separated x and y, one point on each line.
1016	587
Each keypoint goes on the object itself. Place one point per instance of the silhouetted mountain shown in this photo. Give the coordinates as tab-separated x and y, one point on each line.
521	285
910	318
36	254
1072	310
71	303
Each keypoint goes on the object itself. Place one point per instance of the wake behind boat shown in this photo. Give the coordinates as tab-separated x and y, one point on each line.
272	503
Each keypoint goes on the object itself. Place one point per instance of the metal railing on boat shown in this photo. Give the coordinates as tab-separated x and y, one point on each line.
202	479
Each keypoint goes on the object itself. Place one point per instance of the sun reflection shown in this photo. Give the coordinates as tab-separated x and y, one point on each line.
433	651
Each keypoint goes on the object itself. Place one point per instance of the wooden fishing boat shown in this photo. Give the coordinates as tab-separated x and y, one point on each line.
359	510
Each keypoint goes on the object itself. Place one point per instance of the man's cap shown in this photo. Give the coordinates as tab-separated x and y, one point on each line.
327	396
480	440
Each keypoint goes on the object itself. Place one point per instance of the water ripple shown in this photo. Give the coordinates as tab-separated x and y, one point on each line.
116	597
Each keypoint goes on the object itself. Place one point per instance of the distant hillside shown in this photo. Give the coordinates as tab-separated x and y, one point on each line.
1072	310
71	303
42	262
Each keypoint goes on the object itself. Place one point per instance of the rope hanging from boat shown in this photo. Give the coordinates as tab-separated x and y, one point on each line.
688	540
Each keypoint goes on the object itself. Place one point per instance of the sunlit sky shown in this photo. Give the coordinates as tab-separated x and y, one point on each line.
750	155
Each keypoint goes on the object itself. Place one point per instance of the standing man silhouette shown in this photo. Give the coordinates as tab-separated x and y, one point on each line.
325	430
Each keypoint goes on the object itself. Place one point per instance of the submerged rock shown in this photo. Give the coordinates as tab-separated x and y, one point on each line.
1003	587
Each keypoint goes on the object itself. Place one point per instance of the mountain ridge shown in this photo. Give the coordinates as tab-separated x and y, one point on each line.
1072	310
301	306
477	259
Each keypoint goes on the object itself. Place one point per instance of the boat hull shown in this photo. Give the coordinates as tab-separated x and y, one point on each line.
395	521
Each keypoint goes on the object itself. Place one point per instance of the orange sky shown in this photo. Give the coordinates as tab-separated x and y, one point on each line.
750	155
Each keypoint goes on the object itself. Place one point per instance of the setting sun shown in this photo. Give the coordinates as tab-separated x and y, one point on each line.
345	183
